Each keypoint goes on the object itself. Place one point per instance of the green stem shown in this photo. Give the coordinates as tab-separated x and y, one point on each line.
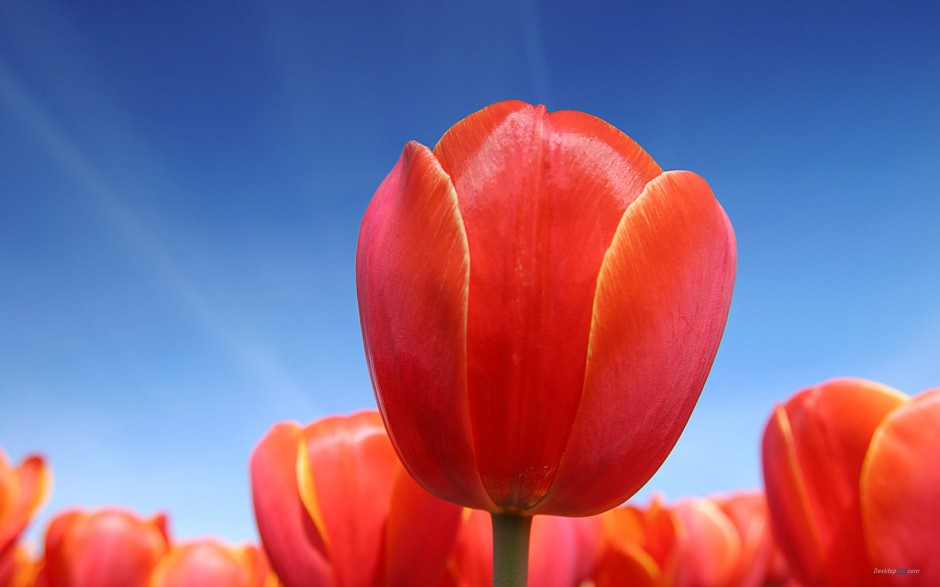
510	550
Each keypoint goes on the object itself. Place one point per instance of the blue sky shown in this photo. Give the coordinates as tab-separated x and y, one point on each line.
181	188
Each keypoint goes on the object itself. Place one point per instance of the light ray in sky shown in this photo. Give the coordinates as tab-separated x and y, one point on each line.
256	357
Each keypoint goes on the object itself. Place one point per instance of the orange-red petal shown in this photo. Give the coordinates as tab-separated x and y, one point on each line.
710	544
420	534
412	271
346	467
208	563
541	195
295	549
659	311
813	450
900	487
103	548
748	512
23	489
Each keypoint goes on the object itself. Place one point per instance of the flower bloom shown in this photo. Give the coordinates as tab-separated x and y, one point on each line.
722	541
335	507
851	486
726	541
900	491
562	551
760	561
102	548
209	563
23	489
540	307
639	546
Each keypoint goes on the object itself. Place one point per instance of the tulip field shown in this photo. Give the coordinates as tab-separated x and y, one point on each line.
540	307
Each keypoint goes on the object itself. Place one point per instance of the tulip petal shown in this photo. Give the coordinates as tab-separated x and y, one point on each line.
412	270
23	490
711	546
201	564
813	451
541	196
627	564
295	550
346	468
660	307
748	512
471	563
420	534
109	548
562	550
900	487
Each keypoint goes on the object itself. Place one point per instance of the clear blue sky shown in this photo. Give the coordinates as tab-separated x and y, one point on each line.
181	188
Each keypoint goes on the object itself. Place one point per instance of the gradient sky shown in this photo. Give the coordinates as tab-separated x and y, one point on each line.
181	188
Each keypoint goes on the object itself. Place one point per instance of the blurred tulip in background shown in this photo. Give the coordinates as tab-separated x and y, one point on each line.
210	563
850	469
335	507
108	547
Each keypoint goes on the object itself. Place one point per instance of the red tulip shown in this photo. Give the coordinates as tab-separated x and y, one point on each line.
209	563
23	489
814	449
335	507
563	551
103	548
900	492
540	307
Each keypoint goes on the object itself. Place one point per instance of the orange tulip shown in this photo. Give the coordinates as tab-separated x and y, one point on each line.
540	306
209	563
851	481
18	568
335	507
720	541
563	551
900	493
103	548
23	489
639	546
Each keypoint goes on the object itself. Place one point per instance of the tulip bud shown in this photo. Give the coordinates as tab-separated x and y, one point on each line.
540	306
102	548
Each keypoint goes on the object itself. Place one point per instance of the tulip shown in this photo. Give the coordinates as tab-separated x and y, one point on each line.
900	492
18	568
102	548
722	541
23	489
759	561
335	507
710	545
814	449
540	307
209	563
563	551
640	547
536	288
